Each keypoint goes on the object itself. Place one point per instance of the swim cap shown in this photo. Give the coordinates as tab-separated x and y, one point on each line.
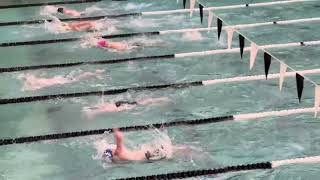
60	10
107	154
102	43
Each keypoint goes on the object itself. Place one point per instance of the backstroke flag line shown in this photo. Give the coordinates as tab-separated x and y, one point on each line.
192	4
230	31
253	54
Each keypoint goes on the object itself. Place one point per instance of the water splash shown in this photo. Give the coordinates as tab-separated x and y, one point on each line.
134	6
92	10
161	140
54	26
48	10
192	36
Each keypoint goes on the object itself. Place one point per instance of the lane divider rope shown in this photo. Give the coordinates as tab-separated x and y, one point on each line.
158	12
238	26
48	3
237	168
158	57
239	117
153	87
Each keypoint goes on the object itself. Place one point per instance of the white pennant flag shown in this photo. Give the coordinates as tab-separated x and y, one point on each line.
253	54
283	69
210	18
192	4
230	31
177	1
316	100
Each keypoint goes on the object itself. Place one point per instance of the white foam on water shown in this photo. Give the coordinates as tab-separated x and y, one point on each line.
140	23
48	10
54	26
106	25
192	36
92	9
90	40
134	6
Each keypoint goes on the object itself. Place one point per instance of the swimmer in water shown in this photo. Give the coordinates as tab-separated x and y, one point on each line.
148	152
121	106
120	46
61	10
84	26
34	83
55	25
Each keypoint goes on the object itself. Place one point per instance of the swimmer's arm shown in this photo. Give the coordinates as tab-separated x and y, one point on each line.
117	46
119	141
151	100
71	12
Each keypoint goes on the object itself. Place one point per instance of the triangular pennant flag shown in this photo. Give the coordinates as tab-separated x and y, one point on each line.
283	69
201	12
241	44
219	25
192	4
230	31
253	54
184	3
267	62
210	18
316	100
299	80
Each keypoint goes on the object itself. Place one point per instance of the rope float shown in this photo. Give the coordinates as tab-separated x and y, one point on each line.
237	168
51	41
156	12
14	23
239	26
158	57
239	117
48	3
152	87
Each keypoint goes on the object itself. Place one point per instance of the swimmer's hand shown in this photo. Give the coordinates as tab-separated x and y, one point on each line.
117	133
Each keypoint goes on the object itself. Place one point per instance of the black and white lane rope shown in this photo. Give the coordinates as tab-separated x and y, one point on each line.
49	3
151	33
158	57
151	87
238	117
154	87
236	168
12	23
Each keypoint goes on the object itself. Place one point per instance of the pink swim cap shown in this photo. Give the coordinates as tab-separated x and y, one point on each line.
102	43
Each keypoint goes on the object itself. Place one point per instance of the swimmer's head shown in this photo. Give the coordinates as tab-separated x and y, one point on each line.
118	104
102	43
108	154
60	10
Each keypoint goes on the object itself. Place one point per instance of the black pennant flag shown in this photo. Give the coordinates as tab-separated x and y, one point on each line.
299	80
267	62
184	3
241	44
219	25
201	12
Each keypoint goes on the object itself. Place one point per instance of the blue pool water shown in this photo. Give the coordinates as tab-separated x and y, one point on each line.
211	145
